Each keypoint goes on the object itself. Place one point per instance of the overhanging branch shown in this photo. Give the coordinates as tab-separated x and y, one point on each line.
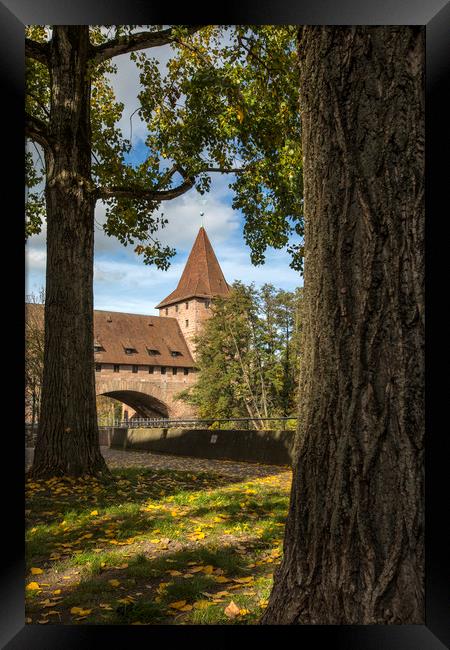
37	51
37	130
133	192
133	42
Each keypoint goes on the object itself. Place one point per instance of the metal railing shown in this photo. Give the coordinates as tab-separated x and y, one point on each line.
218	423
196	423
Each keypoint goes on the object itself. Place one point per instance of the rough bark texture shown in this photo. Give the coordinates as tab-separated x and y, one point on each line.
67	442
354	541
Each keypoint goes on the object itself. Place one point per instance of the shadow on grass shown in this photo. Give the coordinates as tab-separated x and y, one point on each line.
146	590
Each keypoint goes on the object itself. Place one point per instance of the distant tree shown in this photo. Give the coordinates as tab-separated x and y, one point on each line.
34	356
108	410
241	356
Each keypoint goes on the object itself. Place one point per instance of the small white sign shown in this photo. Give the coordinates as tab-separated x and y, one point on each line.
213	438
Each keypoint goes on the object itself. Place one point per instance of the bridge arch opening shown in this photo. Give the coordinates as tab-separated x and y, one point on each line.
146	406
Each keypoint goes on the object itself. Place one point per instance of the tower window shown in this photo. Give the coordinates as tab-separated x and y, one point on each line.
187	323
151	370
135	368
163	370
116	367
176	308
167	311
186	371
187	305
174	371
98	367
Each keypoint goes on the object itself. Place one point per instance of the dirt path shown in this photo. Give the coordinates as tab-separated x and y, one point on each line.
117	458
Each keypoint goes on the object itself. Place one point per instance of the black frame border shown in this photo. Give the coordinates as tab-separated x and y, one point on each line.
435	16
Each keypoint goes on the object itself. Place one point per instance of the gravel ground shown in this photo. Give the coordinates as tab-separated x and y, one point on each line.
119	458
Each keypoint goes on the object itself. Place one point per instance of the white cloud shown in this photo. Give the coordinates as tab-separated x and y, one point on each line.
127	87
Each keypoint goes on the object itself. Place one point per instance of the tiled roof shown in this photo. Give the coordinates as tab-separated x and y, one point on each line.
202	276
115	331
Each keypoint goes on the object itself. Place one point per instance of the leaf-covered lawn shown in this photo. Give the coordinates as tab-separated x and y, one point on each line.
150	547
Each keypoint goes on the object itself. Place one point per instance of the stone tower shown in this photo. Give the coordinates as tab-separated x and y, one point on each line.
201	280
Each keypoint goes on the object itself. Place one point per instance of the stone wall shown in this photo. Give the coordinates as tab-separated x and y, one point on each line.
271	447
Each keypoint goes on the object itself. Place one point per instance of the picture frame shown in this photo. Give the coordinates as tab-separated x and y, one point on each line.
435	15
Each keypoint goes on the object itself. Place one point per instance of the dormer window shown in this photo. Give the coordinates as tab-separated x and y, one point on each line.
153	352
128	347
98	347
176	353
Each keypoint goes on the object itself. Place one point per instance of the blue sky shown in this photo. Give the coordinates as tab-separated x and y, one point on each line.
122	282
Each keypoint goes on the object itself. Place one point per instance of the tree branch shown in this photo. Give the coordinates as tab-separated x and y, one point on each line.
37	130
133	42
130	192
225	170
37	51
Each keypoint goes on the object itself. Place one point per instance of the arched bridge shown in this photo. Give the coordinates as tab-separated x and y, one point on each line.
152	395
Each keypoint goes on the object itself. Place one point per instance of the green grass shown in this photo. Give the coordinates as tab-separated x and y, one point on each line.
161	538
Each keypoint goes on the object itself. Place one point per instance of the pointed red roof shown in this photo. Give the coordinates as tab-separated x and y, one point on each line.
202	276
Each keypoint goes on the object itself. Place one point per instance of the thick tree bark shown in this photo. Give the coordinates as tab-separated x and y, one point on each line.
67	442
354	547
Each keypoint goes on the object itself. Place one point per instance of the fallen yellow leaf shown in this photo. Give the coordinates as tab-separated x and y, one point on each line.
208	569
178	604
32	586
80	611
35	571
201	604
114	582
243	580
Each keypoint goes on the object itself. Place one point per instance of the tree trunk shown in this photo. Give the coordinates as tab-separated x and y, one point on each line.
68	439
354	547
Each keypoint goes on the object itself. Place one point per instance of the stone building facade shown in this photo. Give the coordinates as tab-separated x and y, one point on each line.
145	361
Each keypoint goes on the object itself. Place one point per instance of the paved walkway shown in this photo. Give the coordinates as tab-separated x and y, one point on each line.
119	458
